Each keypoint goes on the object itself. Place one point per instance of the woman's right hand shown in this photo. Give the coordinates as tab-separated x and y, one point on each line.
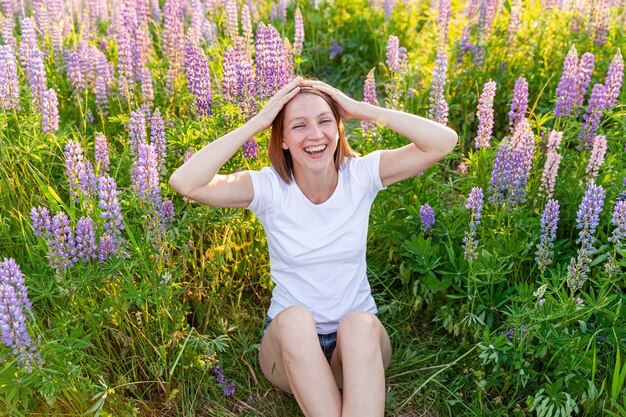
265	117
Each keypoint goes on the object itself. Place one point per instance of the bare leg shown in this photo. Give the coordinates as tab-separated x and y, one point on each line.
292	359
359	362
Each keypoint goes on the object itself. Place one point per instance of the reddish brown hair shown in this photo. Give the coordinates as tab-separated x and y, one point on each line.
281	158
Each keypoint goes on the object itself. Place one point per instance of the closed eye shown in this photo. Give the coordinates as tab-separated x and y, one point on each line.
326	121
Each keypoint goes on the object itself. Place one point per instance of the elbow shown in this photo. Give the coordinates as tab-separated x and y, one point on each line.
452	138
177	184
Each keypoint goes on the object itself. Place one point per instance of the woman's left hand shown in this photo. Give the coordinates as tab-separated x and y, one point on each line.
348	107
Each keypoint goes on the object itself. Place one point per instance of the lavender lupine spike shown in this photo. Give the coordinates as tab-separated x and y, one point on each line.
9	83
427	217
585	69
246	27
514	20
103	79
549	224
485	115
157	138
397	63
443	20
147	90
50	112
286	73
271	60
74	71
37	77
438	110
598	152
369	96
101	153
551	166
519	103
229	79
61	249
199	78
602	23
474	202
40	220
8	37
251	149
77	172
588	218
137	130
568	85
393	62
111	242
85	238
591	118
618	219
388	8
246	85
11	274
126	60
145	175
42	18
228	387
282	10
9	7
28	44
298	38
232	20
613	80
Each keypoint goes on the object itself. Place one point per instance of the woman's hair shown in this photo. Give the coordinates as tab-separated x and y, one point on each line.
281	158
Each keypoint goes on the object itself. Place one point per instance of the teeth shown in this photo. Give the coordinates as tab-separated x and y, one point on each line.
315	148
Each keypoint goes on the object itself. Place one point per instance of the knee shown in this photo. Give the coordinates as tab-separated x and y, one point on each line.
293	321
359	329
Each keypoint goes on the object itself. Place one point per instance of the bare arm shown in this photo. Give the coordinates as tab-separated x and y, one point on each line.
430	141
198	180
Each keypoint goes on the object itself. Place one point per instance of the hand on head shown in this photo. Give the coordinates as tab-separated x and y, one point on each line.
269	112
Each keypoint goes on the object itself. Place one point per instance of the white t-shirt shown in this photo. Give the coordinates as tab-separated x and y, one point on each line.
317	251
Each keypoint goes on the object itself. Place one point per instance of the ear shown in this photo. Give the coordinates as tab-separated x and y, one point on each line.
285	147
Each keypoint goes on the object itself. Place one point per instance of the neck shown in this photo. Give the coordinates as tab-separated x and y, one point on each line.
317	187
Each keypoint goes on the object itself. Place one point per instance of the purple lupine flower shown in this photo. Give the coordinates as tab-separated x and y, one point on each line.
251	149
487	12
591	118
618	219
519	103
598	152
393	60
40	219
246	86
228	387
568	85
166	212
551	166
157	138
475	204
246	25
232	21
588	218
37	77
85	240
155	8
585	69
335	49
462	168
111	241
103	79
286	73
28	44
397	63
272	61
438	110
145	174
74	70
78	172
188	154
173	41
106	247
9	83
485	115
61	249
50	112
229	80
126	55
10	274
42	18
298	38
273	12
511	168
427	217
549	224
443	20
137	130
613	80
198	78
147	91
388	8
282	10
9	7
8	38
601	23
514	19
369	96
101	153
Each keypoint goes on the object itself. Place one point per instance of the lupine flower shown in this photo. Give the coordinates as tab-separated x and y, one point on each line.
9	7
126	60
246	26
106	247
157	138
9	83
10	274
613	80
8	38
598	152
79	172
462	168
397	63
298	38
511	168
232	21
50	112
137	130
438	110
145	174
40	219
549	224
198	78
37	77
427	217
485	115
61	249
228	387
101	153
229	80
541	291
591	118
271	61
147	91
601	23
103	79
173	41
443	20
273	12
282	10
568	85
588	218
514	20
85	240
188	154
28	44
251	149
475	204
519	103
393	54
74	70
585	69
111	211
335	49
551	167
618	219
369	96
246	87
388	8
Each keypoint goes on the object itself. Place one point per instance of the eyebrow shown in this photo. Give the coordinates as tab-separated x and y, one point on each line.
326	113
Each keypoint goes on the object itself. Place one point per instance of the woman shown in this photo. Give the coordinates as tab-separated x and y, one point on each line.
322	340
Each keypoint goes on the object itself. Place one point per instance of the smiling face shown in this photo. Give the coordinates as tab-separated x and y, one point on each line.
310	132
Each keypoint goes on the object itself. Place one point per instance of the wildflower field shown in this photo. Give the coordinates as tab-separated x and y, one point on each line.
499	273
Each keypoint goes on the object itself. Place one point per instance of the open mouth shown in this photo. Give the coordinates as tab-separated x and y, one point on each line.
315	150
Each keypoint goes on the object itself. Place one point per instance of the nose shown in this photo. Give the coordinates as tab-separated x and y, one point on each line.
316	131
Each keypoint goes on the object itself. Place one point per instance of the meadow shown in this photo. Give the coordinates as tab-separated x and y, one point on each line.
499	273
